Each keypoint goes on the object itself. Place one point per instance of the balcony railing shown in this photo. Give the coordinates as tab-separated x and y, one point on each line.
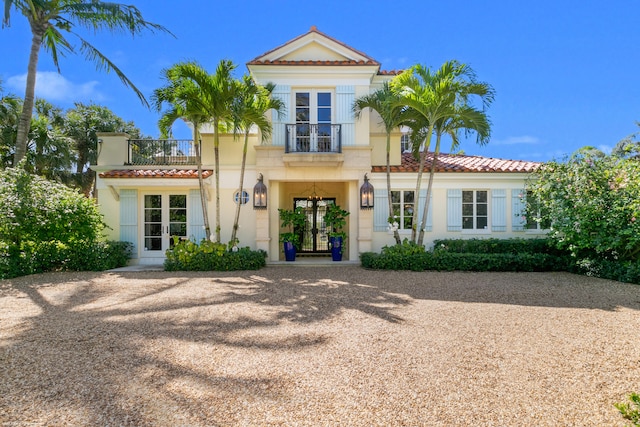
162	152
313	138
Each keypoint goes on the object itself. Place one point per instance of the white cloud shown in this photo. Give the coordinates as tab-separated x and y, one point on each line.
54	87
517	140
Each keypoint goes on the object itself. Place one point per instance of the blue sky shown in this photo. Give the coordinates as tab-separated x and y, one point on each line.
566	73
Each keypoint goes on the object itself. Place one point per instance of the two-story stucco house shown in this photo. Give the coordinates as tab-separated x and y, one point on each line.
317	154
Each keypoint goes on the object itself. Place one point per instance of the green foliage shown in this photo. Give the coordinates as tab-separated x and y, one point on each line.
37	210
46	226
187	255
468	255
496	246
293	221
336	219
593	204
631	411
39	257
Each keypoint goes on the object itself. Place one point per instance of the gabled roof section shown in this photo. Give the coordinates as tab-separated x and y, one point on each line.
462	163
314	48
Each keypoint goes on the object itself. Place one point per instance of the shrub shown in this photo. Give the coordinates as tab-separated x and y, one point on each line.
470	255
631	411
496	246
45	226
34	209
210	256
622	271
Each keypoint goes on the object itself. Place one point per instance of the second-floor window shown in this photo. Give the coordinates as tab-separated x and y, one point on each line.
405	143
475	210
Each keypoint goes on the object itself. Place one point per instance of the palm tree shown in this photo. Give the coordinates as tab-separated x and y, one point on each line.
185	102
217	92
440	102
50	151
463	117
387	103
10	110
249	108
49	20
81	124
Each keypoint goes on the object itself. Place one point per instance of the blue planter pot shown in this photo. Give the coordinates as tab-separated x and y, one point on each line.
289	251
336	248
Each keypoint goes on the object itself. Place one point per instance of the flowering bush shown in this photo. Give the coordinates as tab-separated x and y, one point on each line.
593	205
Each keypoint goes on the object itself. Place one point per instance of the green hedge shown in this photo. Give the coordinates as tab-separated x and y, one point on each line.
40	257
209	256
496	246
497	255
453	261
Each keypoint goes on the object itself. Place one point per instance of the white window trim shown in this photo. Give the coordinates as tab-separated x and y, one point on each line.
487	229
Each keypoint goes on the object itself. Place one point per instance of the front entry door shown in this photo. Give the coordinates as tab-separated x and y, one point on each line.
315	238
164	216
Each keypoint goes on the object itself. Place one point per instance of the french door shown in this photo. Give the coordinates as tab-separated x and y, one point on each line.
313	121
164	216
315	236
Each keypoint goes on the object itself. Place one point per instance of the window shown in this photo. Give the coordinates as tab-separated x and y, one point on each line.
403	204
405	143
475	210
242	200
534	213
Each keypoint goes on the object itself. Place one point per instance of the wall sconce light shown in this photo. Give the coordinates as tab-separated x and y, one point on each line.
366	194
260	195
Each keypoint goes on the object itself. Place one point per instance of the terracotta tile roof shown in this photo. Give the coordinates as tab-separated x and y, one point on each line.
154	173
258	61
312	62
390	72
461	163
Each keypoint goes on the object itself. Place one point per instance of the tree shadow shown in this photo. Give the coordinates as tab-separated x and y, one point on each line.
122	348
92	346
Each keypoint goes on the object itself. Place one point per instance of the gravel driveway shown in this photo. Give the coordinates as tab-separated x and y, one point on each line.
334	346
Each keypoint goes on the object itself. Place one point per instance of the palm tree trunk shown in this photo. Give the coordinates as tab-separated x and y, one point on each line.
216	151
396	234
203	198
425	211
29	98
234	233
423	159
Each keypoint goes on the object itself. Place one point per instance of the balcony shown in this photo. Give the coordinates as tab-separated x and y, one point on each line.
160	152
313	138
313	145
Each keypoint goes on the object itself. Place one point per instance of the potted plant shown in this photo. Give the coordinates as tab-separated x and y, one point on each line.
335	219
294	221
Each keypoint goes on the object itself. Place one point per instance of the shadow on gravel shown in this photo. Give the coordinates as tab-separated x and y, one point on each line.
86	348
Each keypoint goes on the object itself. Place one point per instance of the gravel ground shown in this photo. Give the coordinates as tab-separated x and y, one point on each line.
317	346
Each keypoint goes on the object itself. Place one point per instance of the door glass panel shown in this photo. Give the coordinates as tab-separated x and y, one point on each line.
302	107
177	217
315	236
153	222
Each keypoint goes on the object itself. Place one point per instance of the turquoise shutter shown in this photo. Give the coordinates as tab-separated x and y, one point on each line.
499	210
195	219
421	200
454	210
345	97
380	210
129	219
278	134
518	209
